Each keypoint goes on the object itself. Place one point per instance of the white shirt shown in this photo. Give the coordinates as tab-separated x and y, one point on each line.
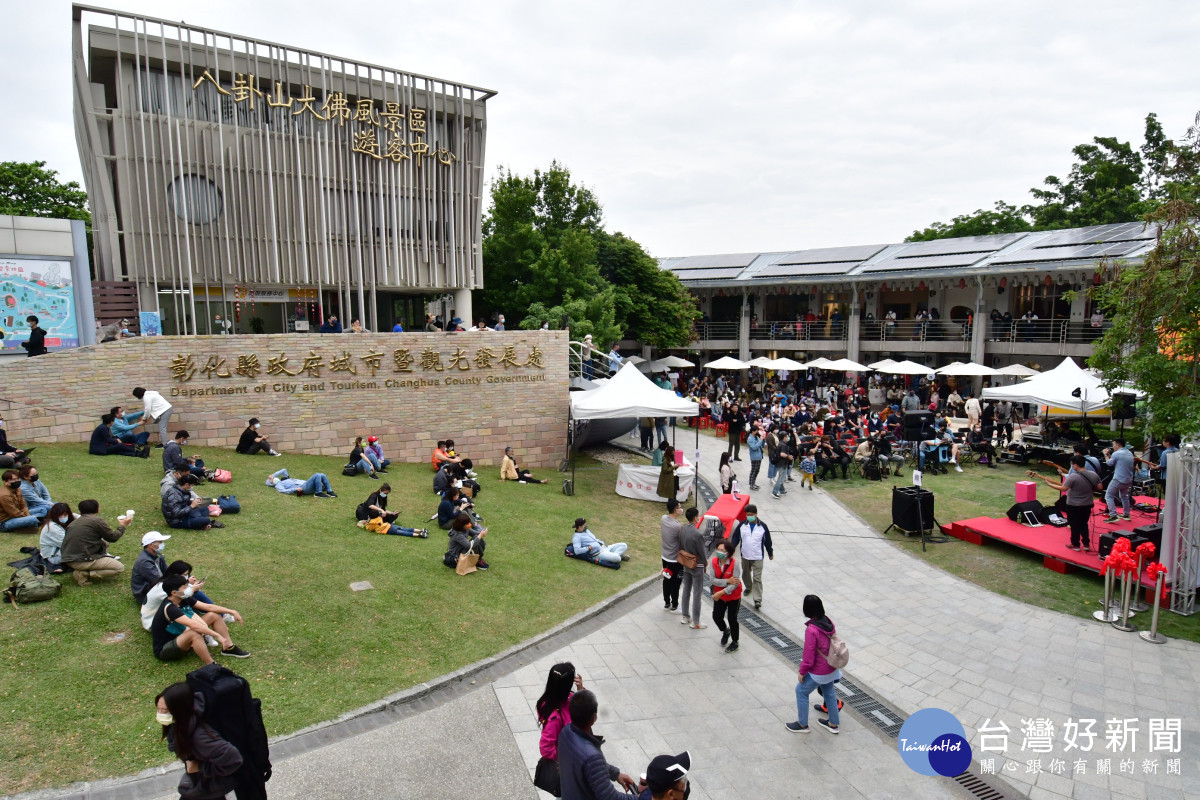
752	538
153	602
156	404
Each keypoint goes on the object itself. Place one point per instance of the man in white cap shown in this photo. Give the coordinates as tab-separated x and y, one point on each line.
666	777
149	567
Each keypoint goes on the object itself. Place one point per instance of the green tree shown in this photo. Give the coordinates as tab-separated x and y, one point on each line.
1154	307
28	189
546	255
1104	187
656	308
1004	219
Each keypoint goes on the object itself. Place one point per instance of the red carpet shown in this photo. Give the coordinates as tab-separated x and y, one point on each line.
1049	541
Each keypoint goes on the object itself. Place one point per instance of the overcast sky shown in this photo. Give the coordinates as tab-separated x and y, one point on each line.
709	127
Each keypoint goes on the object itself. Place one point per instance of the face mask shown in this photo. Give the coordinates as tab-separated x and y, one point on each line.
383	494
164	718
1	423
751	519
161	546
721	554
188	591
33	478
63	520
15	485
257	426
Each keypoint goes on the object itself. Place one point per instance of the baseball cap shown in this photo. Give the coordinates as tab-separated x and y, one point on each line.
153	536
665	771
372	439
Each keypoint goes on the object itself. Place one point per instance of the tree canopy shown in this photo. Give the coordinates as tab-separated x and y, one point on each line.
546	256
1109	182
28	189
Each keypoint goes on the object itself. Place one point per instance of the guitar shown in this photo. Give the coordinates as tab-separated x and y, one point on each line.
1033	474
1054	466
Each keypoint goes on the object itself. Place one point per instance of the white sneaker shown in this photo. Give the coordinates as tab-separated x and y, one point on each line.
210	641
228	618
472	474
276	453
957	468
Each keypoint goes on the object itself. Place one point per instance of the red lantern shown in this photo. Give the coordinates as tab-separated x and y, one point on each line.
1096	279
962	283
1049	281
1004	283
883	288
921	286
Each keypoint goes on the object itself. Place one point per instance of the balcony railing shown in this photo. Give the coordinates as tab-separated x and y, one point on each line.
1056	331
1045	331
883	330
820	330
716	330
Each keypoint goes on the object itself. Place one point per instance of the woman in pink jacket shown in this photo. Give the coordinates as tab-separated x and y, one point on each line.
552	711
814	668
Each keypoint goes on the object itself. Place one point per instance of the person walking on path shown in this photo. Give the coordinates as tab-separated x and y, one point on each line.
690	541
584	773
815	670
754	537
553	708
754	443
727	595
672	528
782	461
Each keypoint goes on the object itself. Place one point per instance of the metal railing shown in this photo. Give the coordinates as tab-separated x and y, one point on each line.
716	330
599	367
883	330
789	330
1045	331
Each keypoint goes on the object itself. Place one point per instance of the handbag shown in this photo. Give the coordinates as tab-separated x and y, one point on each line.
350	470
214	510
229	504
688	560
467	561
546	777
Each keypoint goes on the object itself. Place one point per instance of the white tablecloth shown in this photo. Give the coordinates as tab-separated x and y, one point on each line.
641	483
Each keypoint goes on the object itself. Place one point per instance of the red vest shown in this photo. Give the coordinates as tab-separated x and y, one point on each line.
725	573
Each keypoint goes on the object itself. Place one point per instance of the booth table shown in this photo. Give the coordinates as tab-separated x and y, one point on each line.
729	510
641	482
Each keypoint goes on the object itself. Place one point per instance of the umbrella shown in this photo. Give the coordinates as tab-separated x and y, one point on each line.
909	368
1018	370
786	363
820	363
882	366
674	361
727	362
846	365
762	362
968	369
635	360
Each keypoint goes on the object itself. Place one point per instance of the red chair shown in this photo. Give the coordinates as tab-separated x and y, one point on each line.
722	429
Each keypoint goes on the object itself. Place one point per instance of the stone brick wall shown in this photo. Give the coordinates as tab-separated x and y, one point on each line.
489	391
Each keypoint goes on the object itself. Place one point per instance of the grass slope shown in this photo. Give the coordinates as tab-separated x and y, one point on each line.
75	708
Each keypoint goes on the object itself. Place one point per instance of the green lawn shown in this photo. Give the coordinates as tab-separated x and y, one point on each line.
1008	570
76	708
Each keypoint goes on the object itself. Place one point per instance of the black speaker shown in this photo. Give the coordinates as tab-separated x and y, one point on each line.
1123	406
912	508
1018	510
1105	545
918	425
1152	533
1107	540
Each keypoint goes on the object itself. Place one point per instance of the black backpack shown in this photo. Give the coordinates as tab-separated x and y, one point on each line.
231	711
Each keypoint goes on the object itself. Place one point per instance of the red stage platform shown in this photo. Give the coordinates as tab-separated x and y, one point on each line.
1049	541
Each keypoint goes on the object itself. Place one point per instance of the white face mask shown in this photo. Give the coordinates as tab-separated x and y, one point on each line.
63	520
164	718
161	546
383	494
257	425
188	591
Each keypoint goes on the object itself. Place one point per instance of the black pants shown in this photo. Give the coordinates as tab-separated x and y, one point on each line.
1078	518
829	466
755	466
734	448
727	610
671	585
647	437
258	447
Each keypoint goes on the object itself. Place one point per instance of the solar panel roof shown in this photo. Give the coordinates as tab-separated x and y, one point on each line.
741	260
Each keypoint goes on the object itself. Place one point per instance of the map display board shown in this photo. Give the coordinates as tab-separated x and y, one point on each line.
43	289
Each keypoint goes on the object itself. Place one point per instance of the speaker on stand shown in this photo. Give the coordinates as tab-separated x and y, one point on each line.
912	511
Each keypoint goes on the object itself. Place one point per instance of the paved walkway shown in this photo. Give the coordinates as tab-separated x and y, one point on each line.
924	638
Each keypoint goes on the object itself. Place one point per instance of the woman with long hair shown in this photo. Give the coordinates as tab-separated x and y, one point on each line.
210	762
359	459
726	470
815	670
55	528
553	713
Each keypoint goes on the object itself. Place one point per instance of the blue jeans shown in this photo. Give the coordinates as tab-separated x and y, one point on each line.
780	476
400	530
365	466
197	519
39	509
661	429
18	522
376	462
317	483
805	688
138	438
1118	491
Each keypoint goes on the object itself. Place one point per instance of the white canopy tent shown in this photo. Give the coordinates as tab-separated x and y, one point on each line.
629	393
970	369
1055	388
727	362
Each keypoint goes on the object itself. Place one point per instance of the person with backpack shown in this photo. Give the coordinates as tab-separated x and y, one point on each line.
815	669
210	762
553	714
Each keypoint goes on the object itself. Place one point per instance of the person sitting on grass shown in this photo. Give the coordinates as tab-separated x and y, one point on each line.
373	515
155	594
174	460
183	508
53	532
453	503
10	456
174	631
37	496
359	459
441	456
465	535
449	475
586	545
374	454
509	471
316	485
252	441
85	545
124	425
14	512
103	443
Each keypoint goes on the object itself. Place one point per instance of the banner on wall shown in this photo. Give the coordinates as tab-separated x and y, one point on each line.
41	289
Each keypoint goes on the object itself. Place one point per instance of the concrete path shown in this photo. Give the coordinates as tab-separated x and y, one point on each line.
924	638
